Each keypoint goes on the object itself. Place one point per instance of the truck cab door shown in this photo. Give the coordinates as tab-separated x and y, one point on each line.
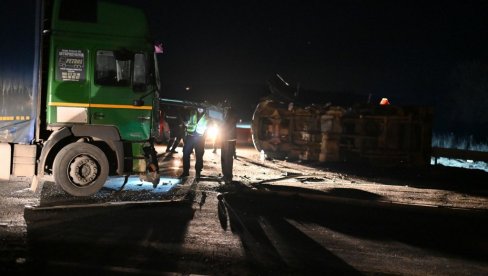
116	86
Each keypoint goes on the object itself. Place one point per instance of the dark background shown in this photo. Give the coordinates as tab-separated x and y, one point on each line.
430	53
413	52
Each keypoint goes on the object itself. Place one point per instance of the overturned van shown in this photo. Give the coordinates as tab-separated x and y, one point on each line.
378	134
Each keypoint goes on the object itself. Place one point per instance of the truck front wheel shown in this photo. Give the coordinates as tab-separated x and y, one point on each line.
80	169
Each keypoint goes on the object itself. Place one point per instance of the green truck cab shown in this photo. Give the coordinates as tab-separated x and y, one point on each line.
99	94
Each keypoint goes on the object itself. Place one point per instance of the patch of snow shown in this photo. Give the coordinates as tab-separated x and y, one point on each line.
459	163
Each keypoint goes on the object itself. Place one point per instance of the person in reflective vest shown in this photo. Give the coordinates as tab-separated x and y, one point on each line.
195	140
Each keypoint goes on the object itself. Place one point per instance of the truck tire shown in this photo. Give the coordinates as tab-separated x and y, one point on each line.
80	169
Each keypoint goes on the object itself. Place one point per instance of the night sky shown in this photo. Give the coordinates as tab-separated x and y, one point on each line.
361	46
413	52
343	45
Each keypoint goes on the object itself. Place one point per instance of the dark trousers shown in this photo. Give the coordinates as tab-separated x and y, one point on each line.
193	142
227	151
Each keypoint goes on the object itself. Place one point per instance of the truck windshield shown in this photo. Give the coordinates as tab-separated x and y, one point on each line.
110	71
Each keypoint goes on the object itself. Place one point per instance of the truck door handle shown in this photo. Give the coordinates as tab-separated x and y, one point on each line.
98	115
142	118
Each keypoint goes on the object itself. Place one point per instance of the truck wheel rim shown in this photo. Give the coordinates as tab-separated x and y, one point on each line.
83	170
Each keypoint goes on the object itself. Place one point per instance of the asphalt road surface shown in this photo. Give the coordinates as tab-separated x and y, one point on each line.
276	218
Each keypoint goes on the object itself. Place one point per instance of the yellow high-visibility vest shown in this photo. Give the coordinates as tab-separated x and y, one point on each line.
199	126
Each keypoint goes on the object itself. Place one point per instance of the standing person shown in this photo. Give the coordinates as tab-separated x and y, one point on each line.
216	138
228	144
195	139
177	131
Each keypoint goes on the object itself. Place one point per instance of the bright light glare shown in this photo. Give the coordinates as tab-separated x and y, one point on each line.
212	132
176	163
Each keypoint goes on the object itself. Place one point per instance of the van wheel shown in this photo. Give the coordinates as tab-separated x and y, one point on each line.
80	169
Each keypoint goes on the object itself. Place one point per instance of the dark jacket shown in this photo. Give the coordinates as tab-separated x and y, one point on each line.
228	129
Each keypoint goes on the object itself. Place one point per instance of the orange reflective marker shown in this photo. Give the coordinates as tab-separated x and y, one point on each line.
384	101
